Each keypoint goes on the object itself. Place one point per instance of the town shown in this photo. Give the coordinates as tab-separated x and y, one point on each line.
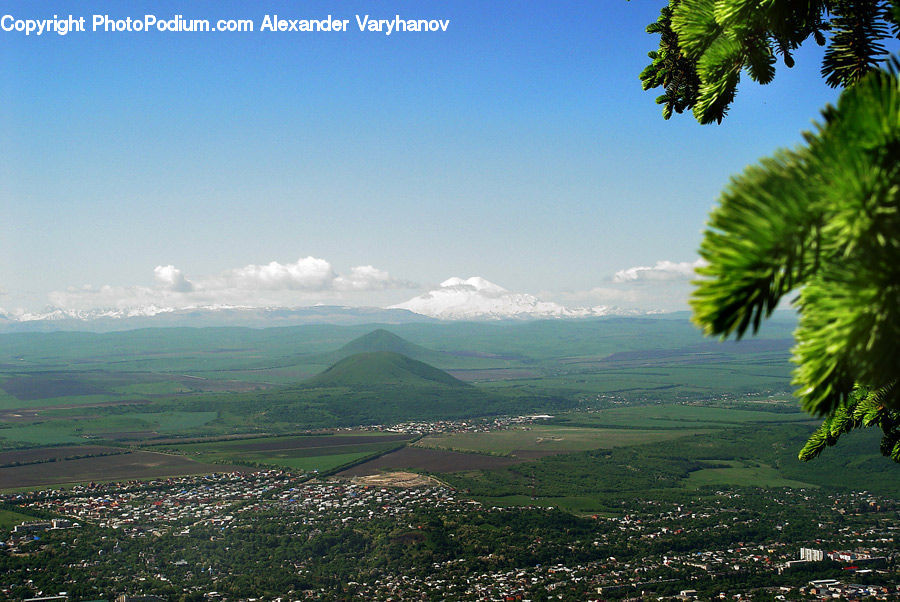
240	536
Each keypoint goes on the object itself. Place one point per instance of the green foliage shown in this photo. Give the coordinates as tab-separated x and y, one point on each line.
864	409
823	219
857	28
758	456
670	69
705	45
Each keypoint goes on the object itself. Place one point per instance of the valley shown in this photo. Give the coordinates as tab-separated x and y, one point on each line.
595	420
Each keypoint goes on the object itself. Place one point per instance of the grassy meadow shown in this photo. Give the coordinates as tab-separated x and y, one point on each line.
540	440
680	416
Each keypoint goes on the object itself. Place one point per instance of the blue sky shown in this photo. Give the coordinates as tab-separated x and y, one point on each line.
518	146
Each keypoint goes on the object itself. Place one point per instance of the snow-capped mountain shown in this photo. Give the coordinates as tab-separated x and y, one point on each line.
55	314
477	298
455	299
104	320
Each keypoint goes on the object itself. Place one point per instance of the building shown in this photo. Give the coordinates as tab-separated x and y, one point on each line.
812	555
31	527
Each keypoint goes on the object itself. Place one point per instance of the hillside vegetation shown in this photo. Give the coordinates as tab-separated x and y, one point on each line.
383	368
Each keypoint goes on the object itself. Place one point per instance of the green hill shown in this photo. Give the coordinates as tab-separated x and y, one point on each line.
379	368
383	340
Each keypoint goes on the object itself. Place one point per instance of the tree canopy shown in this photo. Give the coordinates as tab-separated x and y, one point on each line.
821	221
705	45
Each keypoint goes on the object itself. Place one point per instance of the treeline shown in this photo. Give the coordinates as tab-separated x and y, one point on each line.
74	456
290	409
609	476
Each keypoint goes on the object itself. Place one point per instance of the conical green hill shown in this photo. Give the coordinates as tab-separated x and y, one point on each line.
383	340
380	368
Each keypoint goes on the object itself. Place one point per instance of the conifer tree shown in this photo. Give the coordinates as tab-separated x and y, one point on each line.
705	46
822	221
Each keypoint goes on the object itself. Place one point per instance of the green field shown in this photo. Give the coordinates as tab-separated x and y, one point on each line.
306	453
320	463
43	433
8	402
742	473
676	417
60	428
762	455
672	384
153	388
9	519
548	439
316	458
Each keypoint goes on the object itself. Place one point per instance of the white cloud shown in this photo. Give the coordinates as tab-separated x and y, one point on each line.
663	270
368	278
644	296
89	297
307	281
607	295
665	286
476	298
172	279
305	274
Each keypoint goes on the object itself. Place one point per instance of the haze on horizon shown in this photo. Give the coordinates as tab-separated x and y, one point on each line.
517	148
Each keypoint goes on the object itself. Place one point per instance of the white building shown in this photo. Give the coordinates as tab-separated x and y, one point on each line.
811	555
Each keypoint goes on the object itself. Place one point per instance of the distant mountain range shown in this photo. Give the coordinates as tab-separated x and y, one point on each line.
455	299
154	317
477	299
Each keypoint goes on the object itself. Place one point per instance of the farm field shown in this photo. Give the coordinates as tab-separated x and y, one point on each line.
741	473
56	426
52	454
756	455
319	462
755	351
10	402
55	432
44	385
540	440
677	416
80	387
305	453
421	459
127	466
492	374
664	382
285	442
